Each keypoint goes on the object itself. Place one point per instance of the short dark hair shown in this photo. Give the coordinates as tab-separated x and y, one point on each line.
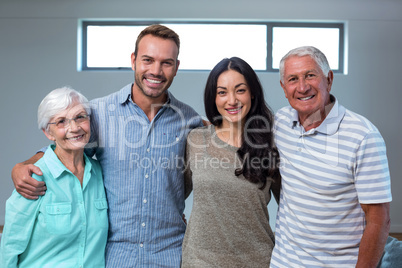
256	144
158	31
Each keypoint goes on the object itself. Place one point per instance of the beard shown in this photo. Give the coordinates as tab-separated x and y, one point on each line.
149	92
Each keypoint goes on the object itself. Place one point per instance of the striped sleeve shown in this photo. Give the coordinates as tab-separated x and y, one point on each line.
372	178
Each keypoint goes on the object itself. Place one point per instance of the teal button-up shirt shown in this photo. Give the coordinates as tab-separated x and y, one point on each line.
67	227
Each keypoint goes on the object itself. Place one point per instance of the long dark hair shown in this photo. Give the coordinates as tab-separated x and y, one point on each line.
258	154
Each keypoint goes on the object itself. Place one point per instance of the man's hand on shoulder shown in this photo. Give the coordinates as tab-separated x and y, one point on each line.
25	185
206	123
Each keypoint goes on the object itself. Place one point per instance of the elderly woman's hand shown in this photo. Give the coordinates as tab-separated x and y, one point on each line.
25	185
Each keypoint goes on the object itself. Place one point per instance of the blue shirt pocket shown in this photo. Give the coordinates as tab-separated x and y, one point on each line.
58	218
101	212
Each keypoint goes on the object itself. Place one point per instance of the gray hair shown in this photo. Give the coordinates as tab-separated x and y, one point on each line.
311	51
57	101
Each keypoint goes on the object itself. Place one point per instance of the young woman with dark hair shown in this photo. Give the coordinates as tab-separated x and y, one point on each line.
232	166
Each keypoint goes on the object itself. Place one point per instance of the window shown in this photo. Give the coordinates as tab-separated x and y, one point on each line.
326	37
107	45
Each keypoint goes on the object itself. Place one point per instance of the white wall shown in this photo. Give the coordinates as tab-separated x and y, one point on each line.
38	46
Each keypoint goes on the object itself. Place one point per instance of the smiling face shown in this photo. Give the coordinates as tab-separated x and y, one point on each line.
73	137
306	87
233	98
155	65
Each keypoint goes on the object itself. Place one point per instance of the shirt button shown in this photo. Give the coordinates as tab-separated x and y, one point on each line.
146	176
143	224
148	150
300	149
144	201
177	139
142	245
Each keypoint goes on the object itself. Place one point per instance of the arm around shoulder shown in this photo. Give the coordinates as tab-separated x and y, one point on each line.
21	175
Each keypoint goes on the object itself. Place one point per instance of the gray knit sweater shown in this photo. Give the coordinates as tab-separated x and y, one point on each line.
228	226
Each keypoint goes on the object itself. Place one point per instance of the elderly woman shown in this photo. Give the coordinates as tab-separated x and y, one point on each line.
67	227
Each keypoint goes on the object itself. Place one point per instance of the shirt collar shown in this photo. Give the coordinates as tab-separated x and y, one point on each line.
125	95
56	167
330	124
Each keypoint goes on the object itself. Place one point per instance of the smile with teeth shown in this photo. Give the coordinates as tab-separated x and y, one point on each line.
307	98
153	81
234	110
76	138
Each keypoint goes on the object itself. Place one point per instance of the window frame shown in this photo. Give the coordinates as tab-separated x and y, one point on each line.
339	25
84	23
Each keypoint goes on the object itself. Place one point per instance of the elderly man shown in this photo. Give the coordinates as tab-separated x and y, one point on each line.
139	138
334	204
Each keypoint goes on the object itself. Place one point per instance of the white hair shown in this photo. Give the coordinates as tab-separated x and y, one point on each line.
311	51
57	101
